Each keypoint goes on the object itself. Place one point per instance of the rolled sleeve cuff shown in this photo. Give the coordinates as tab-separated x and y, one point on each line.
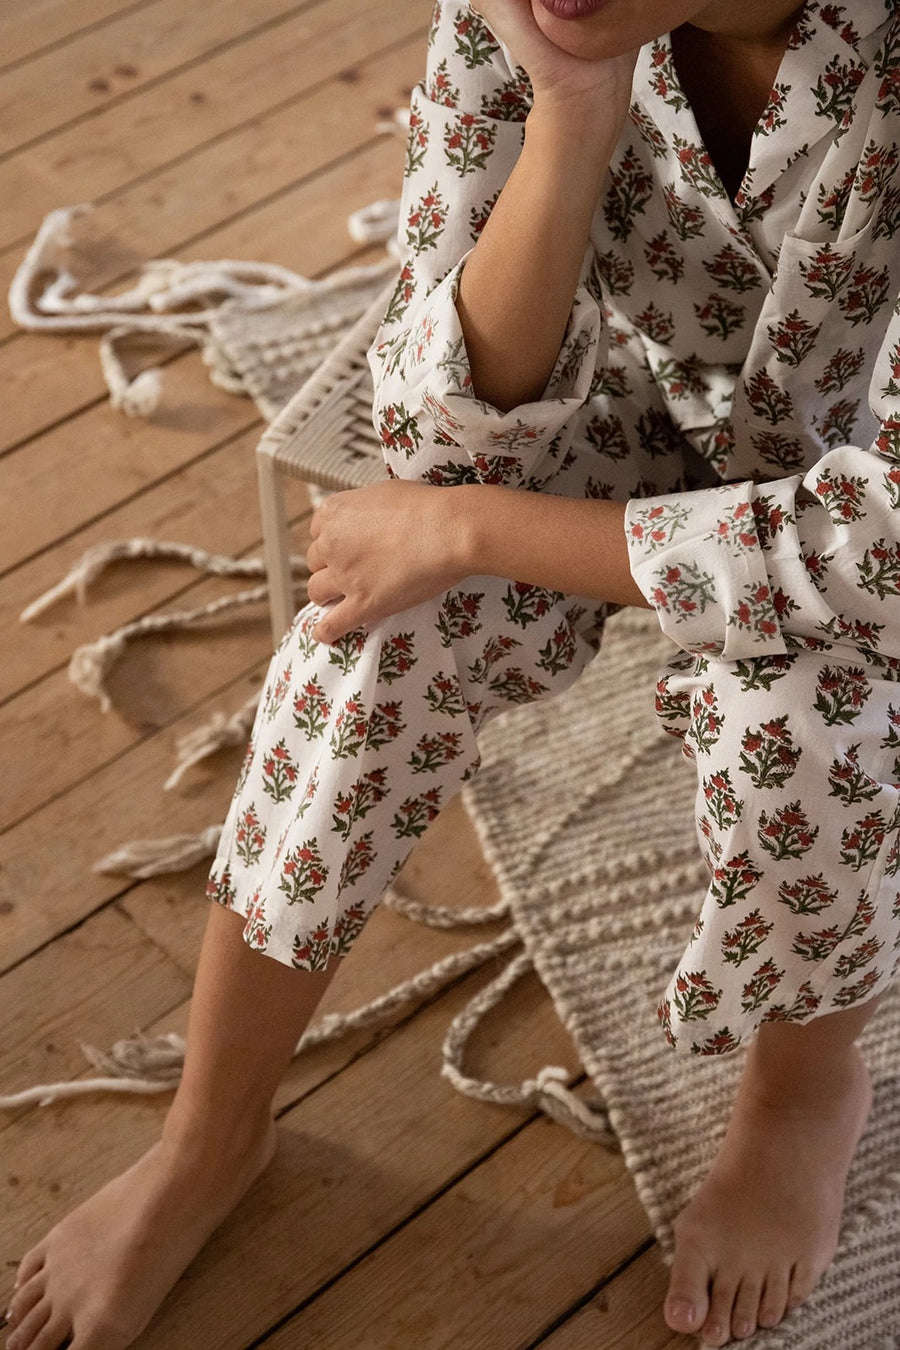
503	446
698	560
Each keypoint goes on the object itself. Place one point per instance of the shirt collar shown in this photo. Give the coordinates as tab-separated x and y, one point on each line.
825	62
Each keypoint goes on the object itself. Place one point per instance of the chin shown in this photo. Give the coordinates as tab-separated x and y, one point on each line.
592	38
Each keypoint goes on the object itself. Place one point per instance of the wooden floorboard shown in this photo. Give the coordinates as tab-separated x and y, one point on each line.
398	1214
26	31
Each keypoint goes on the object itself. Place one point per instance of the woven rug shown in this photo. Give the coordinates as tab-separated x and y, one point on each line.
584	809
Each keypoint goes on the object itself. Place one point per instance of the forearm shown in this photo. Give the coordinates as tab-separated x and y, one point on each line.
561	543
518	284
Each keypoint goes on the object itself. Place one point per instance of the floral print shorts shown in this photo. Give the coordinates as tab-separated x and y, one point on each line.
357	746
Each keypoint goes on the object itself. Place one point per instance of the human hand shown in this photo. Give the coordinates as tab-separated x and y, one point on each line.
381	549
559	75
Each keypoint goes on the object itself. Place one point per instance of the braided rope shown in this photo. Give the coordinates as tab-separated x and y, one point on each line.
143	858
440	916
216	733
90	663
166	285
98	557
151	1064
547	1091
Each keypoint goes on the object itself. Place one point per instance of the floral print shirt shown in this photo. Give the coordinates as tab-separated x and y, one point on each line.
758	339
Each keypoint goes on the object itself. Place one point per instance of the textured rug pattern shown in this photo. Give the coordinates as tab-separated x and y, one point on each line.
584	808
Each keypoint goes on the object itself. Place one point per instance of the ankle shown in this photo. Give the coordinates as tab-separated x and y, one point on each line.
779	1075
204	1138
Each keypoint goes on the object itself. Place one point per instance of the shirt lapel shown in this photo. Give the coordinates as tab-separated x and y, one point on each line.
829	40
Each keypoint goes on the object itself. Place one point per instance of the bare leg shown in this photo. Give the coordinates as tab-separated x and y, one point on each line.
763	1228
102	1272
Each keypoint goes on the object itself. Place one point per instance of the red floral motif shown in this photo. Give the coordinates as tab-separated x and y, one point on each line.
734	270
786	833
861	843
416	814
459	616
767	399
761	986
695	996
746	938
444	695
734	880
719	316
468	143
312	709
396	657
279	772
809	895
358	859
351	726
879	571
474	42
848	781
706	720
793	338
250	836
722	801
629	188
663	258
803	1007
842	367
683	591
434	751
426	221
768	755
756	613
722	1042
526	604
303	873
841	692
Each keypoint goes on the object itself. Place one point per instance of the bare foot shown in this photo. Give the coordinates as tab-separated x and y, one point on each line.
100	1274
763	1228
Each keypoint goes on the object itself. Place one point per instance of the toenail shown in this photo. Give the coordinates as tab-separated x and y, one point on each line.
682	1309
743	1328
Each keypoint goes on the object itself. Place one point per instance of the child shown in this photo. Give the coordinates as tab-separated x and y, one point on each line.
645	333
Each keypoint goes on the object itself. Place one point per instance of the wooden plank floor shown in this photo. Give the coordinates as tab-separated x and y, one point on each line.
397	1215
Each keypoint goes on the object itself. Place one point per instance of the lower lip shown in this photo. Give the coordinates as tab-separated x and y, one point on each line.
572	9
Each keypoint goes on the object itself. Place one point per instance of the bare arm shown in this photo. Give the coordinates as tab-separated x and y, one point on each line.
388	547
561	543
518	284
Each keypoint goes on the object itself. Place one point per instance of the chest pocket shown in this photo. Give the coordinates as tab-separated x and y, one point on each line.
804	386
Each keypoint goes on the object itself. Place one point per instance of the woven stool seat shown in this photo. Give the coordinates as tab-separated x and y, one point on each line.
324	435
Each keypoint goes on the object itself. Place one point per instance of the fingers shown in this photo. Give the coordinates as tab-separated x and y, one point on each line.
337	622
314	559
321	587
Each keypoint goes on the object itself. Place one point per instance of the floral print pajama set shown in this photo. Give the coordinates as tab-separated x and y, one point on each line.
732	370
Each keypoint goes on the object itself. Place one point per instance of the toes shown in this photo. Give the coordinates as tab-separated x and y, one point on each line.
716	1330
803	1281
30	1264
687	1301
744	1318
29	1326
773	1304
55	1334
24	1300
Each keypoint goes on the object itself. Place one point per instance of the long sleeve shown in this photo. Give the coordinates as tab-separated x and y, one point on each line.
753	568
466	133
